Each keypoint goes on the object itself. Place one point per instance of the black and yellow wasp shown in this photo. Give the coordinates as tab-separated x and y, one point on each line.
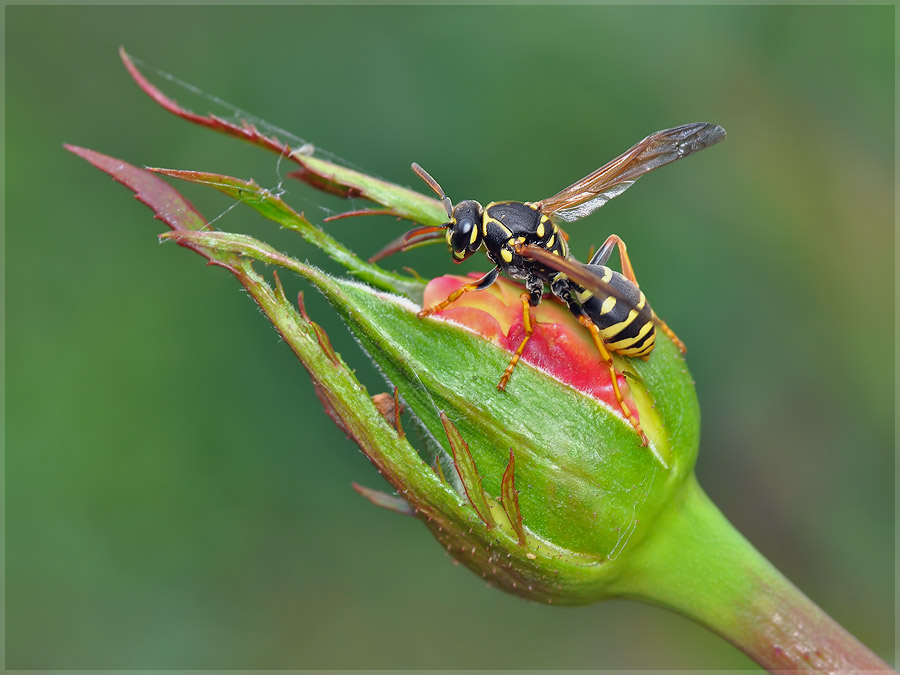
523	241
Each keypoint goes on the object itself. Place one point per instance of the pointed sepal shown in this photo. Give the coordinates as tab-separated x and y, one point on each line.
467	472
385	501
509	498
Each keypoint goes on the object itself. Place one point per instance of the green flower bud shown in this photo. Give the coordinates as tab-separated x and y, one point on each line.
555	484
543	488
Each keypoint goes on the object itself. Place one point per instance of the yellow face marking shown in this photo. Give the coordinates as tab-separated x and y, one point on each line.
474	236
506	254
449	234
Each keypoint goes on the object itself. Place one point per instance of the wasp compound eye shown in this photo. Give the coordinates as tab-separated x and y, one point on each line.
462	234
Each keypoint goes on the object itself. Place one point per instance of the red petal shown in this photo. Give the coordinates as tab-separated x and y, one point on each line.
559	344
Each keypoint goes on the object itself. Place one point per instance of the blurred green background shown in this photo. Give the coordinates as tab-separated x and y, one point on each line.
175	497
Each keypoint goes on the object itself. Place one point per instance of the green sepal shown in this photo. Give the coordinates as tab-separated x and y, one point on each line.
402	202
273	207
385	501
467	472
509	498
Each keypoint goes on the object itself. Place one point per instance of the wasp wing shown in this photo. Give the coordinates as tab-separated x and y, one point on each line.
593	191
583	276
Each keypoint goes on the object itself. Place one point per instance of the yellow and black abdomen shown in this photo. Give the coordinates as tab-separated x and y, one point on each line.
625	320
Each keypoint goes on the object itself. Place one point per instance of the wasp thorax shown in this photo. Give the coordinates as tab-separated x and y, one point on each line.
464	233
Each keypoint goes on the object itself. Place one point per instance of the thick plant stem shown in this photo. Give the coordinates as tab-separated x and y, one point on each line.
696	563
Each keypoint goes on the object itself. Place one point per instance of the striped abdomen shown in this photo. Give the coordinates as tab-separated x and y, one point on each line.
625	322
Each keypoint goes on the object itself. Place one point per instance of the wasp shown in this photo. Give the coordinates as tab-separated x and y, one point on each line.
523	241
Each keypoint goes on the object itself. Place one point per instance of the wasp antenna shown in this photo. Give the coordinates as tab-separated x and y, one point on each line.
434	185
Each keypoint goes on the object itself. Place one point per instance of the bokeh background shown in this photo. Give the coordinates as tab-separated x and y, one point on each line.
175	497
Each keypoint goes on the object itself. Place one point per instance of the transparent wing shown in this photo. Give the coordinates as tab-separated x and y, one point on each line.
582	275
593	191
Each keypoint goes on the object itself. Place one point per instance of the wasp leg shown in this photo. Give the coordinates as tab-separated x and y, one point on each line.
607	358
600	258
668	331
479	285
603	253
529	329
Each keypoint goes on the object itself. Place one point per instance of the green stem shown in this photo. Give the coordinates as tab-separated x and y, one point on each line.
696	563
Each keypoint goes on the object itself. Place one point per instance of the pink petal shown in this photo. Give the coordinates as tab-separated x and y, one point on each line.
559	344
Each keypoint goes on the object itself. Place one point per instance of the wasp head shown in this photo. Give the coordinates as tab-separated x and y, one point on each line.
463	230
464	220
